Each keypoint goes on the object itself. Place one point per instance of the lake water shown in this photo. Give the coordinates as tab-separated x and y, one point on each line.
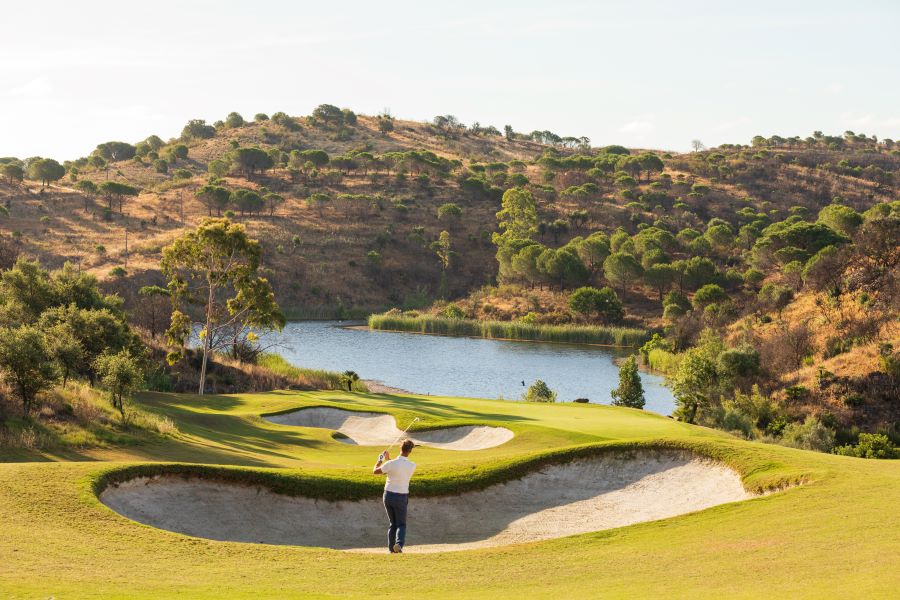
453	366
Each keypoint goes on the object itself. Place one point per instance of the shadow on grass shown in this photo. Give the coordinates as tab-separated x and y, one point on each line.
178	402
434	408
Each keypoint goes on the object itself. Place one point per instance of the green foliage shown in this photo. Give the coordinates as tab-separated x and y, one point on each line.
12	172
449	211
699	383
574	334
812	434
26	362
517	218
825	269
539	392
622	269
251	160
775	296
234	120
630	392
709	294
562	266
452	311
45	170
120	375
116	151
197	129
114	191
314	378
603	303
215	267
214	197
734	363
842	219
870	445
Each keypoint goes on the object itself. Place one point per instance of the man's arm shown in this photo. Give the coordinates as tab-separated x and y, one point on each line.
382	458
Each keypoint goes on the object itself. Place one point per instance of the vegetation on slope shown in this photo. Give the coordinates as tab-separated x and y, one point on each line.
357	213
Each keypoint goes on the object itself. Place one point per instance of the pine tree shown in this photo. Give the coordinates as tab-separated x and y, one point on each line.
630	392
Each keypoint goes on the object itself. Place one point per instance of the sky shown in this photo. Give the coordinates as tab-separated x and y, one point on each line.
650	74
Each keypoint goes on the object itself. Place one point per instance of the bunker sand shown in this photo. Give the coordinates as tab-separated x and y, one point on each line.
582	496
375	429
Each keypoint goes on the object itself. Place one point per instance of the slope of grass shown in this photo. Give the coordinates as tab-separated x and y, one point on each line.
833	536
511	330
317	379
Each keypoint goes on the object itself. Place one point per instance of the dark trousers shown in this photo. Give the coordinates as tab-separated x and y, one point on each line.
395	504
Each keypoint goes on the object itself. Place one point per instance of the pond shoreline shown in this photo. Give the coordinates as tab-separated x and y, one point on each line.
461	366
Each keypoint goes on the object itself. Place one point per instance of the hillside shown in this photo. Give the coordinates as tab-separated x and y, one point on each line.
785	248
388	204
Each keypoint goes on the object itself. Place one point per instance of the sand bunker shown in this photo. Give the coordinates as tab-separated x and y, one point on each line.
375	429
585	495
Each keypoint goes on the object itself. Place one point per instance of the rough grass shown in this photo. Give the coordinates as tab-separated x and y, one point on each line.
313	379
663	361
833	536
78	417
572	334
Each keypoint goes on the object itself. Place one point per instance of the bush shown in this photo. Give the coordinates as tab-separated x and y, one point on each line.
812	434
452	311
604	303
870	445
539	392
738	362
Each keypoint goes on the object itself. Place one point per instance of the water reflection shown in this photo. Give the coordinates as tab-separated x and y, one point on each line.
449	366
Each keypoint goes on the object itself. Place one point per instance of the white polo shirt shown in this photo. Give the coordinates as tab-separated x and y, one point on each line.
399	471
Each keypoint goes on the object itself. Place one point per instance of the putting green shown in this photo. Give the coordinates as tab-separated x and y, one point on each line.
837	535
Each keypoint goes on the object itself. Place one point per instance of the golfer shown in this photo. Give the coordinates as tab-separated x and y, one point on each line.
396	492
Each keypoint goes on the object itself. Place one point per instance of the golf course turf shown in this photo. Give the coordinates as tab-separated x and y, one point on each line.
828	526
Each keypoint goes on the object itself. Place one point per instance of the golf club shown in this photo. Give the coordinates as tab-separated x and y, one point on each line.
402	433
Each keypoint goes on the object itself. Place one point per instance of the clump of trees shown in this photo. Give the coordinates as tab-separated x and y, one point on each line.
58	324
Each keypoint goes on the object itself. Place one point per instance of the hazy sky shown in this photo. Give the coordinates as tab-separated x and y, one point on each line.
639	73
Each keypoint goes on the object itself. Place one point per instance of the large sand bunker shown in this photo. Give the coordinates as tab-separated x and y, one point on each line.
588	494
376	429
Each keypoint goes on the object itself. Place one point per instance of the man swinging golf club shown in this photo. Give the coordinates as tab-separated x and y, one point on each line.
396	491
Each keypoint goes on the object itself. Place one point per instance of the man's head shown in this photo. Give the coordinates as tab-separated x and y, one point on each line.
407	447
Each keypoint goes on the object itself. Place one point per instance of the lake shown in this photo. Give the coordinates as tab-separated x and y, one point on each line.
453	366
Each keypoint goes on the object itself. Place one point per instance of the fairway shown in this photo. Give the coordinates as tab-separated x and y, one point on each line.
826	526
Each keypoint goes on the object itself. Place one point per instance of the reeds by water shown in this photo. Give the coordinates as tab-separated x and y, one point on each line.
511	330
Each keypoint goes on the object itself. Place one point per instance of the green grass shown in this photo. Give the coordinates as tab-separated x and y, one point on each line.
511	330
663	360
314	378
834	536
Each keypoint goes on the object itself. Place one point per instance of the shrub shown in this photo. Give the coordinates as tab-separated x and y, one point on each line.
452	311
738	362
812	434
539	392
449	210
870	445
604	303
